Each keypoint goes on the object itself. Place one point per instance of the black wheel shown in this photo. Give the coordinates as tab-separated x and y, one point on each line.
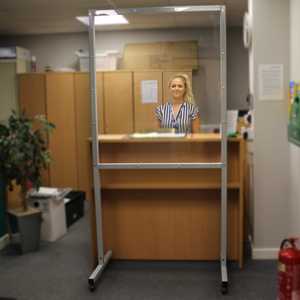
224	288
92	285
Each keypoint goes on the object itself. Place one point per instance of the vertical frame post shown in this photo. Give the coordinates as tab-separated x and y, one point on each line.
94	125
102	260
223	83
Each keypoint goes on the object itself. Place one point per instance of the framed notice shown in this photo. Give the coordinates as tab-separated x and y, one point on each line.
149	91
270	80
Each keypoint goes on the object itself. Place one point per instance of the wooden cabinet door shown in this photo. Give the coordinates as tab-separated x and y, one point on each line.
62	142
144	111
32	100
32	97
167	75
83	127
118	103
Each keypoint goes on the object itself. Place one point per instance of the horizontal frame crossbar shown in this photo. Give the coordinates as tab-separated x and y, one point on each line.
120	166
170	9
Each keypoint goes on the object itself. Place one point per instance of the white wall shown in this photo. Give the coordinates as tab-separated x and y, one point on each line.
294	150
8	89
58	50
270	20
237	70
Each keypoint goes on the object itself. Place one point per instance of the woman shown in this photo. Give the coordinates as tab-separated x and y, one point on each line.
179	112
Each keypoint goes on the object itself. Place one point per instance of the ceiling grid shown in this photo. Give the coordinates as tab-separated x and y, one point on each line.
58	16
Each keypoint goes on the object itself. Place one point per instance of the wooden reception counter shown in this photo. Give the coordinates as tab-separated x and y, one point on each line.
170	214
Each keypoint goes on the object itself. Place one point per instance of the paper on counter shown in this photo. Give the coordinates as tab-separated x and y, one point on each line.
47	191
157	135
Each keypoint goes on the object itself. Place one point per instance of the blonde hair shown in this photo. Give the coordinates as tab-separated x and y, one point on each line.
188	94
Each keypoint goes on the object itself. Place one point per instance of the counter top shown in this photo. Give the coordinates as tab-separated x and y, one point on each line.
195	137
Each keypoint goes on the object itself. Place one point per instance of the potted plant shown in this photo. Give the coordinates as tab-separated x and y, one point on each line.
23	155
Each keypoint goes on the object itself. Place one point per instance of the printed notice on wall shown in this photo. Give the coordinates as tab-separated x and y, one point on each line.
149	91
270	79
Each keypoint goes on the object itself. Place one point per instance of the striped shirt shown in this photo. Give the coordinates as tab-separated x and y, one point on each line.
182	122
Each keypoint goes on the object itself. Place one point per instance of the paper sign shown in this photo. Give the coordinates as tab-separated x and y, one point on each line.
232	116
149	91
270	82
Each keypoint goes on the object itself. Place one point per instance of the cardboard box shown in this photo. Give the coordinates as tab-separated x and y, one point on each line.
161	55
106	61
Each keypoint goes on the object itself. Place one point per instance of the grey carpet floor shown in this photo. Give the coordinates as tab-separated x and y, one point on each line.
60	270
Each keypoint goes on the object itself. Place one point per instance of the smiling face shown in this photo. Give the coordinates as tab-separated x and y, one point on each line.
177	89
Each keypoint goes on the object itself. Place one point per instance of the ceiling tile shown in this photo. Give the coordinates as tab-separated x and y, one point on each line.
54	16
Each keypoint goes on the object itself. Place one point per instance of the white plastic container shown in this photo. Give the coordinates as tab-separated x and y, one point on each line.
106	61
53	217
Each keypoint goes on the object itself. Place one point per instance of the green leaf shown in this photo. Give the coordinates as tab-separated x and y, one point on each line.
23	151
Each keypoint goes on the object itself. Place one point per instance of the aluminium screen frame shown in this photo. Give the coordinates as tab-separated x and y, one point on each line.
97	165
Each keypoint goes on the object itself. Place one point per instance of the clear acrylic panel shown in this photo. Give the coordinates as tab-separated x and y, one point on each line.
135	92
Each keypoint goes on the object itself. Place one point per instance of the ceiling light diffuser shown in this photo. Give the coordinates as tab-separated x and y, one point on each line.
105	17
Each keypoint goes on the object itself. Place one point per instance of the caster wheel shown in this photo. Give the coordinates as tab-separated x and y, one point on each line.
224	288
92	286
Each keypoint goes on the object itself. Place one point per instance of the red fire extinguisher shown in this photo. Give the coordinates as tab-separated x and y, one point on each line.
289	270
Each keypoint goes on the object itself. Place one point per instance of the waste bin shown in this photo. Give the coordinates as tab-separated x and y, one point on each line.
2	206
53	215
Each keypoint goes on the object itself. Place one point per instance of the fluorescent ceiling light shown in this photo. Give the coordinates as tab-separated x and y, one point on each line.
181	8
105	17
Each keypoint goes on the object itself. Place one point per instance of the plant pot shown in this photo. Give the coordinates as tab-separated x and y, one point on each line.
2	206
26	228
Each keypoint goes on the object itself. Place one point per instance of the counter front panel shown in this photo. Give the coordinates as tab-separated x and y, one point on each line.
170	214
